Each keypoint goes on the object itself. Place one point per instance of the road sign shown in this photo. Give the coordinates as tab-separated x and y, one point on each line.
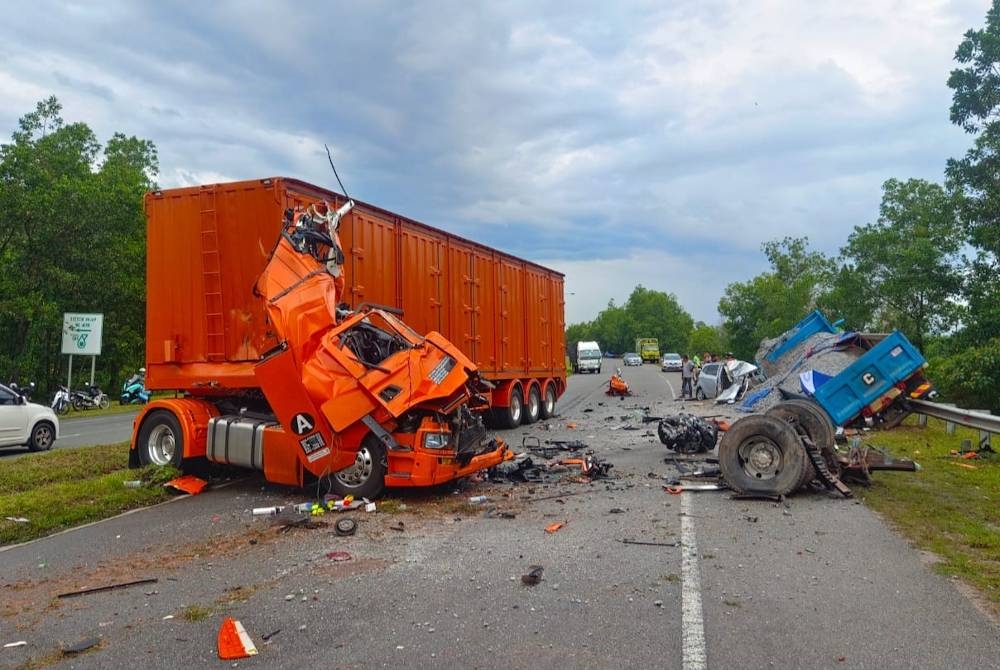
82	334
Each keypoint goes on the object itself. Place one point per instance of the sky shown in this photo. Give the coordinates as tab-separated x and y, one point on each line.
648	142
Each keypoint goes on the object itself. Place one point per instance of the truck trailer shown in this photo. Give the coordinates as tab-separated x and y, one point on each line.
273	312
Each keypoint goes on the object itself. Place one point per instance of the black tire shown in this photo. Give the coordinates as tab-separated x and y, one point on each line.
104	402
43	436
699	394
160	440
810	418
762	454
510	416
533	408
62	408
366	478
77	404
549	402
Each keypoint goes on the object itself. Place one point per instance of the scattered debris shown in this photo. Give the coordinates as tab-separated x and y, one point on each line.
681	488
17	519
398	526
688	434
110	587
554	527
304	522
494	513
188	484
81	646
534	576
345	526
571	425
234	642
132	483
616	510
19	643
338	556
268	636
650	544
475	500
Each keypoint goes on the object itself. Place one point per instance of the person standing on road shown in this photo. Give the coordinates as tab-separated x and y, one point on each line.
687	374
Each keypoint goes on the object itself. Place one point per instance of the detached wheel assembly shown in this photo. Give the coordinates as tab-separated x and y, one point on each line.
762	454
806	416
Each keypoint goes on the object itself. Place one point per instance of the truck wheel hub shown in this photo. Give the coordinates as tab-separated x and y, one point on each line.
761	459
161	445
361	470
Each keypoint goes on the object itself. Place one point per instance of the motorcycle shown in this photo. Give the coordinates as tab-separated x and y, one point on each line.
134	392
24	391
90	398
61	401
617	386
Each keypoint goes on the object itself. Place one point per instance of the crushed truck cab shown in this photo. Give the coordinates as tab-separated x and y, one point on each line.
354	399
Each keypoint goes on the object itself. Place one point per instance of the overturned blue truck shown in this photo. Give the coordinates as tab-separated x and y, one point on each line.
818	379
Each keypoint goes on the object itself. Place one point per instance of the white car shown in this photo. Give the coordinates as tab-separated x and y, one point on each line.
26	423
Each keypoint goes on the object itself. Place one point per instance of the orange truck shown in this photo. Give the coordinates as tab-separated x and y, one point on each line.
274	313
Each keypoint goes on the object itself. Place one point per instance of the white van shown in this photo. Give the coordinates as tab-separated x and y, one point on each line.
588	357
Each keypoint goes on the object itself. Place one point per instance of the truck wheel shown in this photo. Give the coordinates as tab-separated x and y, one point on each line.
510	416
533	409
160	440
43	435
813	420
549	402
366	478
762	455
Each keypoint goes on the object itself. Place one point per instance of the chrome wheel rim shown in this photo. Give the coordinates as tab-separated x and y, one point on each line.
161	445
761	458
43	437
359	473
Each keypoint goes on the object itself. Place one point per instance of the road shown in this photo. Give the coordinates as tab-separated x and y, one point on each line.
80	430
816	582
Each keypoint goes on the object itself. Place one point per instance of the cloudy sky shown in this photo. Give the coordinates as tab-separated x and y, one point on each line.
634	142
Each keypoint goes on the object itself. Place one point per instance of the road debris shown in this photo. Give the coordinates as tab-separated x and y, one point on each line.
345	526
534	576
554	527
110	587
650	543
19	643
187	484
688	434
398	527
234	642
339	556
81	646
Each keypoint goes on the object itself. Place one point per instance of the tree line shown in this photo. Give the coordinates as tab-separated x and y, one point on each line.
929	266
72	239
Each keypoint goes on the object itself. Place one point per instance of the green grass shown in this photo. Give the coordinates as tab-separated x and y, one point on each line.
68	487
950	510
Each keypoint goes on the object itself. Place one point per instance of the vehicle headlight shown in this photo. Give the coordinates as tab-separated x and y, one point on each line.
436	440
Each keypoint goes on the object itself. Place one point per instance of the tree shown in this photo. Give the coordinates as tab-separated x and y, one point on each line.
905	266
657	314
774	301
976	109
705	338
72	239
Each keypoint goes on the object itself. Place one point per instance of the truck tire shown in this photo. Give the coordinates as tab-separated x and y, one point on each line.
762	454
366	478
549	402
813	420
160	440
533	408
43	435
510	416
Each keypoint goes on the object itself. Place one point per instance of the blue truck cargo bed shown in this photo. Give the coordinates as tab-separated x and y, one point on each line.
875	373
814	323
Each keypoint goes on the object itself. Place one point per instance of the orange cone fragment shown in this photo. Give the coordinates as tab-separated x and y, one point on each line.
234	642
553	527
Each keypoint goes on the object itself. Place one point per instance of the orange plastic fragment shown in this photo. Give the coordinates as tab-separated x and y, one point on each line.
970	454
554	527
233	641
188	484
571	425
673	490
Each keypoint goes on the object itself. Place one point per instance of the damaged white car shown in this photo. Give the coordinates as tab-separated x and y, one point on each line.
725	381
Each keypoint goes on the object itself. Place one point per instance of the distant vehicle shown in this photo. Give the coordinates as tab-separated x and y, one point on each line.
648	348
588	357
671	363
632	359
26	423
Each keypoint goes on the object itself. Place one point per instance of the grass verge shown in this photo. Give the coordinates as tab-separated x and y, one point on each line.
68	487
950	507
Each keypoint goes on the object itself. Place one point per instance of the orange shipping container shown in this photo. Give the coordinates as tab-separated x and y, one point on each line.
505	313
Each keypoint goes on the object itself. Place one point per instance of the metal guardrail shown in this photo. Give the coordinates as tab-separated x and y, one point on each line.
985	423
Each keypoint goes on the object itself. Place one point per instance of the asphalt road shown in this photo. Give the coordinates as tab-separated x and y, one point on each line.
817	581
81	430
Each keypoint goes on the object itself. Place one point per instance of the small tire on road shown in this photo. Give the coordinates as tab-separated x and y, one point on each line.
160	440
533	408
366	478
43	436
762	454
549	402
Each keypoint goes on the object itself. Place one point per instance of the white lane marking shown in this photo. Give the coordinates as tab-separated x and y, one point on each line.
692	621
671	387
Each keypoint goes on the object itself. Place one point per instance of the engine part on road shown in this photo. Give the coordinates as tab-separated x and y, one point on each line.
688	434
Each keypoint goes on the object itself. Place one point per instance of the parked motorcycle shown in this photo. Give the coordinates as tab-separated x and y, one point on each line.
25	391
61	401
134	391
89	398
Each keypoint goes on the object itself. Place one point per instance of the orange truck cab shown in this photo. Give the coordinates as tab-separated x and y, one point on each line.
272	371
